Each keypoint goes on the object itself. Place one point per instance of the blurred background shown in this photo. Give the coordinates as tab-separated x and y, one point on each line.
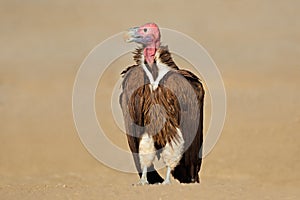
255	44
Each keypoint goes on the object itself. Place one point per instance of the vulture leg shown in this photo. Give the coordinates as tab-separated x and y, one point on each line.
143	180
146	154
172	154
167	180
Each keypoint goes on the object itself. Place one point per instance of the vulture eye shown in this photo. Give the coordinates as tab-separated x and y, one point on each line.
145	30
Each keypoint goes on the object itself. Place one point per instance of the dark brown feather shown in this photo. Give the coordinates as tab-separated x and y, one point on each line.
177	110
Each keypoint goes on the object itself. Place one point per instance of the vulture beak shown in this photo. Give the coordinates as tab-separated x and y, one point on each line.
132	35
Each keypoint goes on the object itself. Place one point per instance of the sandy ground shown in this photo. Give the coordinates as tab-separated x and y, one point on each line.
254	43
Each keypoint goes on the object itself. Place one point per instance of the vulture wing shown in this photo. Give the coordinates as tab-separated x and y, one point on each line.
132	103
190	94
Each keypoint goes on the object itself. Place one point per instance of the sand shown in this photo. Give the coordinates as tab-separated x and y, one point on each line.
255	45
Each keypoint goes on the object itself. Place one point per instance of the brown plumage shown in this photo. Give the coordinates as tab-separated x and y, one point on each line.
176	109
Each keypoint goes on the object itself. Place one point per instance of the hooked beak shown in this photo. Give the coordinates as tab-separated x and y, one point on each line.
132	35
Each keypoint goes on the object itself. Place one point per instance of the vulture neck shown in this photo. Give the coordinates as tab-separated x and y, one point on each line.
162	62
153	66
150	62
149	54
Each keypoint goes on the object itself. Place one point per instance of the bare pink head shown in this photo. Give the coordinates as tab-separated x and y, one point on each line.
149	36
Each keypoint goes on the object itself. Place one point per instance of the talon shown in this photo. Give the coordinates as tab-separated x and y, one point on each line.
166	182
143	182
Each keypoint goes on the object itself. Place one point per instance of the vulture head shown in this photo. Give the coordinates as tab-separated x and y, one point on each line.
148	35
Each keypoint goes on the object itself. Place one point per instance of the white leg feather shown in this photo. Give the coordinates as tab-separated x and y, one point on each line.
146	155
172	154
